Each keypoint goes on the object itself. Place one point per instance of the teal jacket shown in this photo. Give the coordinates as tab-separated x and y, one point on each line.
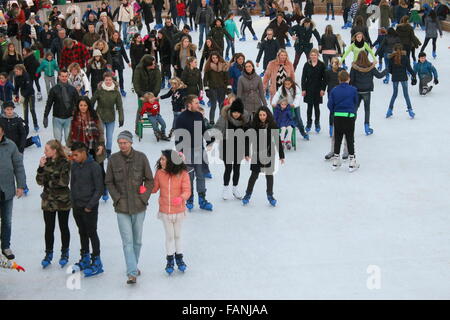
425	69
231	28
49	67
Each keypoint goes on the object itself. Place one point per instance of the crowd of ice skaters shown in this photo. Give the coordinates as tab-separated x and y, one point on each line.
88	56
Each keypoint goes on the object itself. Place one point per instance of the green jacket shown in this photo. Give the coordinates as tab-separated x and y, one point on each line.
49	67
145	80
231	28
106	100
214	79
353	48
192	78
218	34
55	178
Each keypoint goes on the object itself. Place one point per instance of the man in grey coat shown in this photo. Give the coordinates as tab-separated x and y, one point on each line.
203	18
129	180
11	171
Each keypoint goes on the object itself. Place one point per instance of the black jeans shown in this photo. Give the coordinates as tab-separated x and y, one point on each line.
158	16
344	126
87	228
327	58
29	104
366	97
236	168
50	221
345	15
316	107
298	54
216	96
165	71
247	24
252	181
426	43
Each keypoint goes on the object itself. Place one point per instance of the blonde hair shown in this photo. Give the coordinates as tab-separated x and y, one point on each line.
57	146
175	81
147	96
74	65
335	60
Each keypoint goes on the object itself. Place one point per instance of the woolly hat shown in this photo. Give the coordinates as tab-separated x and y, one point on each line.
61	16
237	106
103	14
8	104
96	52
127	135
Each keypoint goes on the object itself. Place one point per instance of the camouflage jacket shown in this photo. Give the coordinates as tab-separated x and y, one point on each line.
55	178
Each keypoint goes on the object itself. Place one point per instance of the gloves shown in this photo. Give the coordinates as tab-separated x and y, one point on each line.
120	123
177	201
37	75
413	81
436	81
45	122
16	99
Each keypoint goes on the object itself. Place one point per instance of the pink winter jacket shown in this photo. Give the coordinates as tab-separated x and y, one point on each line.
172	186
271	75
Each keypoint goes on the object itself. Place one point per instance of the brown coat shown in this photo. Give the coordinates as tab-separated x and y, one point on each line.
124	176
271	74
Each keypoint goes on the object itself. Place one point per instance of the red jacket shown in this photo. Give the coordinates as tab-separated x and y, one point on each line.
79	53
171	187
152	108
181	9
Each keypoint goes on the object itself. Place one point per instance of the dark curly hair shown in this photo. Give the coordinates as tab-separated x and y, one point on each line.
174	164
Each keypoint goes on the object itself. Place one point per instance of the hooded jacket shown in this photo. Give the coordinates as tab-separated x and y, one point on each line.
146	80
362	78
11	170
15	130
108	101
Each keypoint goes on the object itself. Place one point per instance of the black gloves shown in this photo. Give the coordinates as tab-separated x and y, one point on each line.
120	123
436	81
414	81
45	122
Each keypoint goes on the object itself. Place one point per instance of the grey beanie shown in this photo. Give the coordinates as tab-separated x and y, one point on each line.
127	135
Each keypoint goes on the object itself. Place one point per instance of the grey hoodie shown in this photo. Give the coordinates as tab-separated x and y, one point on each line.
11	169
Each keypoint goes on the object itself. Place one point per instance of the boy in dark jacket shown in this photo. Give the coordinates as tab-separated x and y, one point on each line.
269	47
6	88
425	71
342	102
86	187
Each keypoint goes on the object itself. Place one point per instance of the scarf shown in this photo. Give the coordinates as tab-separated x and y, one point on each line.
359	44
97	65
85	130
281	75
106	88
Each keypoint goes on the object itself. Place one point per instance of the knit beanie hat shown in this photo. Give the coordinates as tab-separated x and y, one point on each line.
96	52
127	135
237	106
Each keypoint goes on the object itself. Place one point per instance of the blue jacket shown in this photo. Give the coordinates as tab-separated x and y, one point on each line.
6	91
234	74
283	118
343	98
425	69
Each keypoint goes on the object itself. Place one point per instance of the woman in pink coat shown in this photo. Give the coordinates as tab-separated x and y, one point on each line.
172	181
277	71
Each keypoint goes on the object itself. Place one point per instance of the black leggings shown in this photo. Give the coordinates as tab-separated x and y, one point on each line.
426	43
236	168
87	228
316	107
344	126
63	221
38	86
252	181
165	71
298	54
29	104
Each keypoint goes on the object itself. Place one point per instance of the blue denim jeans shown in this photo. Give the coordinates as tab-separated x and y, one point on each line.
204	29
175	116
124	26
60	125
130	227
6	218
109	131
179	19
196	172
156	121
405	94
230	44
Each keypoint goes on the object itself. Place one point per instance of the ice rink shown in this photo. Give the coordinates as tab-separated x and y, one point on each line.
330	234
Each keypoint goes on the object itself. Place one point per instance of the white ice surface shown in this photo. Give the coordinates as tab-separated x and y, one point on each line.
327	228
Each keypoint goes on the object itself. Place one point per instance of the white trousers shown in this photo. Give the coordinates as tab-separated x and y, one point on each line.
172	226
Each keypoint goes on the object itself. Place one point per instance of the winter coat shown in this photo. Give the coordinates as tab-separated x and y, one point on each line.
146	80
90	38
330	43
188	120
313	81
125	13
177	98
388	44
385	15
235	72
263	149
283	118
192	78
425	69
147	12
432	28
293	99
15	130
49	67
208	12
304	35
251	90
124	177
271	72
362	78
309	7
95	73
218	34
107	103
346	3
169	34
26	32
400	12
207	51
165	51
331	78
270	49
11	170
106	53
407	36
24	83
398	71
54	176
86	184
171	187
56	47
55	100
9	62
279	31
6	91
46	38
231	28
78	53
229	126
80	82
362	11
176	59
137	51
117	53
216	77
343	98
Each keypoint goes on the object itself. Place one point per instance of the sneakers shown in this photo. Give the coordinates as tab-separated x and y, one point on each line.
246	199
389	113
336	162
8	254
170	264
236	193
353	164
123	93
367	129
180	263
37	141
411	113
47	259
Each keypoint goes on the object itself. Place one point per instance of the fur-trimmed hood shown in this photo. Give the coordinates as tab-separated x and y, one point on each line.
220	67
105	47
242	121
362	69
192	46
